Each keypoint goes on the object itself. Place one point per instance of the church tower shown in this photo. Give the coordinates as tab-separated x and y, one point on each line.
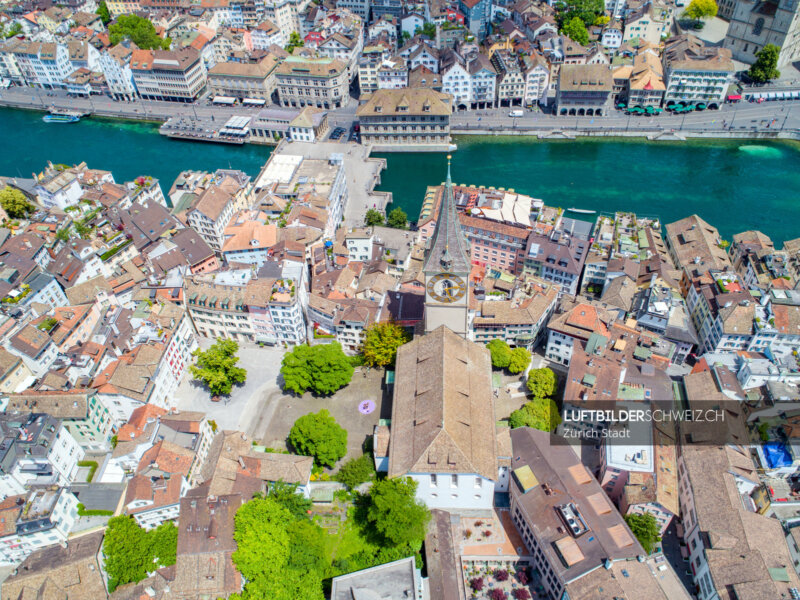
447	268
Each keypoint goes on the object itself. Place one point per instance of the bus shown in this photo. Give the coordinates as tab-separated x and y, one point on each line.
224	101
253	102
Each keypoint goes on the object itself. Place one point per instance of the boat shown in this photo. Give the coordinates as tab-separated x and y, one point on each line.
61	119
583	211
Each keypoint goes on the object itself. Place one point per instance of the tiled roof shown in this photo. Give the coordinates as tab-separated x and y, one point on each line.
443	412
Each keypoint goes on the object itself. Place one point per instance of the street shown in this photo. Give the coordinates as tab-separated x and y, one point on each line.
739	117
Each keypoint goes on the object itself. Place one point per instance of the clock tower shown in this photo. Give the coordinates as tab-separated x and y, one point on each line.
447	268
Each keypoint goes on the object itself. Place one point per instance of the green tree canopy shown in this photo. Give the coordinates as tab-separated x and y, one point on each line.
381	342
286	495
295	41
586	10
15	203
576	30
395	512
541	382
139	30
319	435
216	367
262	540
645	528
519	360
429	30
102	10
280	557
356	471
131	552
322	369
373	217
501	353
701	9
539	413
766	66
397	219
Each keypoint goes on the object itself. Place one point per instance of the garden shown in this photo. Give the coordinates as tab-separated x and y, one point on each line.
500	582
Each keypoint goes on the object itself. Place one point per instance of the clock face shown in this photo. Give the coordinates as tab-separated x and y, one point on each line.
446	287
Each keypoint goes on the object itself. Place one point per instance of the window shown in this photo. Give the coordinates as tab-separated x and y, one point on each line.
758	26
454	481
433	480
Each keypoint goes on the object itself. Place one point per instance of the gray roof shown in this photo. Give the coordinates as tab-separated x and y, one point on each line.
391	580
449	246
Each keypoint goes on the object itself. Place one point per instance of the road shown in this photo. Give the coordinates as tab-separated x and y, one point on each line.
731	117
742	116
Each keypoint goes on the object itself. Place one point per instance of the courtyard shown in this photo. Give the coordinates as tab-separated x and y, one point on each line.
261	409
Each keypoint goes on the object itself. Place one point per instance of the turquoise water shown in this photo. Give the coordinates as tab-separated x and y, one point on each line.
733	185
127	149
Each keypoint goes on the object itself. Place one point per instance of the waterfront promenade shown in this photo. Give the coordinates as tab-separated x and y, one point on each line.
744	119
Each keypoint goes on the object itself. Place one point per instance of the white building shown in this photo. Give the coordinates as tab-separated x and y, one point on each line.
35	520
456	80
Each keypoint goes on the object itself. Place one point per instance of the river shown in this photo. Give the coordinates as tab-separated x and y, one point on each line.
733	185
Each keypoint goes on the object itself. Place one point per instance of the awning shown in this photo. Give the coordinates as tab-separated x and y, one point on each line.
701	106
621	105
771	96
734	97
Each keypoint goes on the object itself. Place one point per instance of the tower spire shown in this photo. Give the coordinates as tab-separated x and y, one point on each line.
449	248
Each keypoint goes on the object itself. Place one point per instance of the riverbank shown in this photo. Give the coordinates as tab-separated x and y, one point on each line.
733	185
768	120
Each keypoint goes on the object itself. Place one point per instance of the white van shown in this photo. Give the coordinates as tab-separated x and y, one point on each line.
516	113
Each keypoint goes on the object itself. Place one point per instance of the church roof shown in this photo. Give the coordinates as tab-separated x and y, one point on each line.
443	410
449	249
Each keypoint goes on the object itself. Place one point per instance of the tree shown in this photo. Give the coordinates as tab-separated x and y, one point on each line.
601	20
320	436
766	66
216	367
395	512
286	495
295	41
429	30
139	30
15	29
645	528
131	552
539	413
281	558
541	382
701	9
586	10
405	37
373	217
126	550
102	10
501	353
82	229
15	203
306	546
164	540
63	234
262	541
576	30
322	369
381	342
397	219
356	471
519	360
